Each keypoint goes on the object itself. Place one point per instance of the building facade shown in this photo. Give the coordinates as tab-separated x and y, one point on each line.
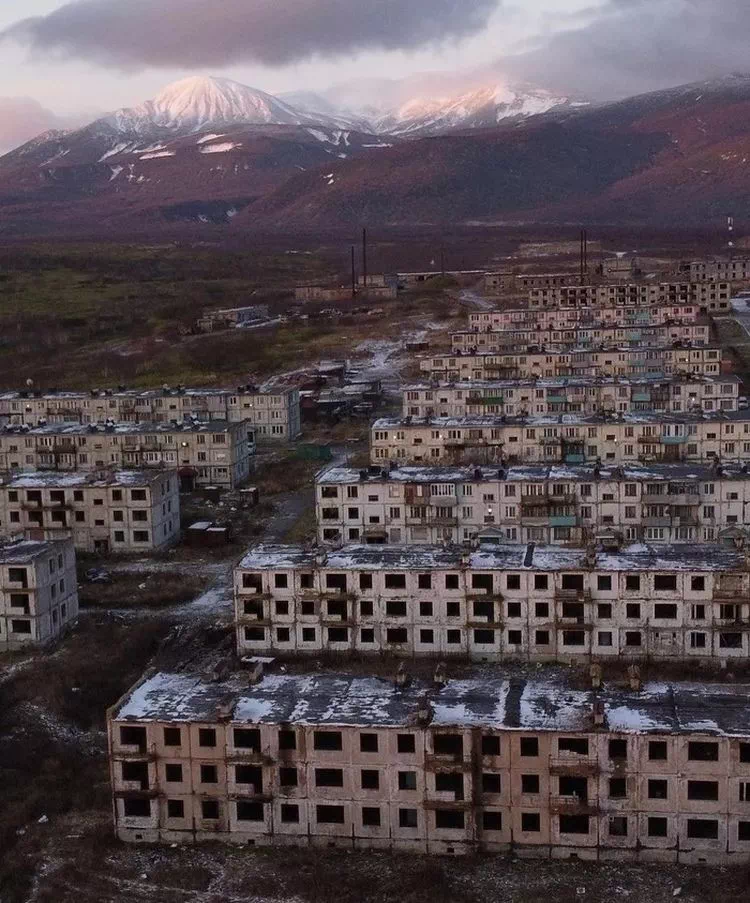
572	317
274	415
709	296
475	341
735	269
449	767
38	592
562	504
601	361
204	453
564	438
570	395
112	511
533	603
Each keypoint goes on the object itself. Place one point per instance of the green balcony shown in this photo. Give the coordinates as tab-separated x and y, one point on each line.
575	459
674	440
641	396
563	520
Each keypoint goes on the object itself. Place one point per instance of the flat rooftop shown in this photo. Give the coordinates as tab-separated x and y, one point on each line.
26	550
633	417
73	428
133	394
563	382
545	473
583	349
44	479
340	700
503	557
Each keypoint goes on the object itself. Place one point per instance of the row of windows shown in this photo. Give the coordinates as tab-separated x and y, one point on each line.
484	582
443	819
442	743
398	636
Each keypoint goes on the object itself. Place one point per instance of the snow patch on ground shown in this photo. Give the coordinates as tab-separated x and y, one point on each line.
206	138
220	148
116	170
157	155
117	149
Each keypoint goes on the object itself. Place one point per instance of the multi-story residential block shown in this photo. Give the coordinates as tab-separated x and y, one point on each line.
565	438
108	511
563	503
580	362
571	395
203	452
709	296
38	592
473	341
537	603
579	317
275	415
734	269
658	774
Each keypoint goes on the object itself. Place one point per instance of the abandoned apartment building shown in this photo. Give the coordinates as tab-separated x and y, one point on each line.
718	269
601	361
506	282
536	603
273	415
657	773
572	395
38	592
468	341
108	511
579	317
564	438
555	504
205	453
709	296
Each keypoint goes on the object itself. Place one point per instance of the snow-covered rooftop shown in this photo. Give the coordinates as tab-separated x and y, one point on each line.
543	473
72	428
44	479
340	700
502	557
563	382
634	417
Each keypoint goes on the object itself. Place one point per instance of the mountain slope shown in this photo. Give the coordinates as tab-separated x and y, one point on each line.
675	157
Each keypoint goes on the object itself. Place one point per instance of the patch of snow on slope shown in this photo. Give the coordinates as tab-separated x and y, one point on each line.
57	156
220	148
157	155
117	149
116	170
204	139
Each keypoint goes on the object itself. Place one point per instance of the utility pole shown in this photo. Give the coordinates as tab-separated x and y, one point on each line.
354	277
364	257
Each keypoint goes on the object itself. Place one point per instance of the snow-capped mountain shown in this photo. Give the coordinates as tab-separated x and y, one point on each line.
481	108
203	102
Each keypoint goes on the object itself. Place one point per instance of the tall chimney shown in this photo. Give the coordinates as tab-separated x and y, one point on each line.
364	256
354	277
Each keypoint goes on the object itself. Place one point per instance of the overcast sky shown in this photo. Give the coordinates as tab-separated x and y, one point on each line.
85	56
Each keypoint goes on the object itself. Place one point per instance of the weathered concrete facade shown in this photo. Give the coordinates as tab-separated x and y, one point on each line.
572	395
537	603
38	592
203	452
274	415
563	438
566	504
578	317
113	511
450	767
711	296
581	362
477	341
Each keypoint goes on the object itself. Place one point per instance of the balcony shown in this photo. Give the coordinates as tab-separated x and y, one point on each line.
563	520
674	440
657	521
575	459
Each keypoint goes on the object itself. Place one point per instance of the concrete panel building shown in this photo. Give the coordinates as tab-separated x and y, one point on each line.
110	511
712	297
533	362
474	341
657	774
274	415
38	592
734	269
573	317
563	438
565	504
572	395
203	452
534	603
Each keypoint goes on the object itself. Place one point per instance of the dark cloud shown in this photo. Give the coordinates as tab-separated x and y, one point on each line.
631	46
21	118
200	33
